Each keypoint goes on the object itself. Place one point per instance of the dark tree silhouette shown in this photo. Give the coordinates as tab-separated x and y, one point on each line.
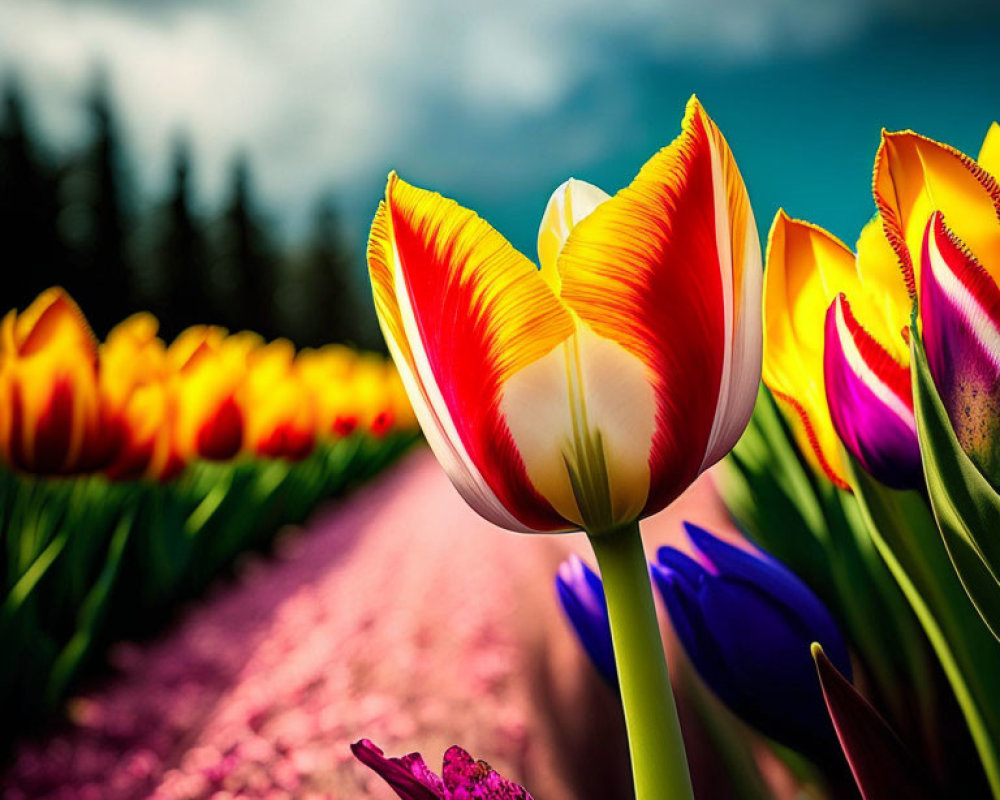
186	296
95	221
33	255
328	298
246	258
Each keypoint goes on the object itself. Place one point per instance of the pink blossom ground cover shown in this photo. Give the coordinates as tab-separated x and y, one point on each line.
397	615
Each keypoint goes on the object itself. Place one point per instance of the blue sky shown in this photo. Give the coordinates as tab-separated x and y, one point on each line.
495	104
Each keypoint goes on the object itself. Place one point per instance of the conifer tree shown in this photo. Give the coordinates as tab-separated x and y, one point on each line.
329	300
187	293
34	258
247	258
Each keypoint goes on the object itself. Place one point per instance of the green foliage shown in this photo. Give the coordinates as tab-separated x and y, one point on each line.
909	629
966	507
904	532
84	561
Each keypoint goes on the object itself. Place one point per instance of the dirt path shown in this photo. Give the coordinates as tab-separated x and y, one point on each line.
398	615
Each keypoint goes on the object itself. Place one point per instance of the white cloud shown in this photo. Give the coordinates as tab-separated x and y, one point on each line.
322	92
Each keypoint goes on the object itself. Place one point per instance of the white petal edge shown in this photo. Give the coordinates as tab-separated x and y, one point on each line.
435	420
741	366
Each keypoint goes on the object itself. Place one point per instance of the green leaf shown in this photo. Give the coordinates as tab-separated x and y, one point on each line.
905	534
966	507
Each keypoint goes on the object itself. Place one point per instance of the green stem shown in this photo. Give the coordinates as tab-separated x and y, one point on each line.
659	765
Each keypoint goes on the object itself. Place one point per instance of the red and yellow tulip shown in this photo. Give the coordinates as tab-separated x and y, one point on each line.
134	408
208	384
135	388
592	391
942	215
53	420
280	411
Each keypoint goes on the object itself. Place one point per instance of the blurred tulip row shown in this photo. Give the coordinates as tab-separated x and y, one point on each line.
134	407
133	472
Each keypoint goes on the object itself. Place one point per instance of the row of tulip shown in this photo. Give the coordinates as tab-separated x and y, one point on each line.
133	407
630	363
132	473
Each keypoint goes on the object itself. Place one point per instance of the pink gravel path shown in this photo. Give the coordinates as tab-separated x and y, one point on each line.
398	615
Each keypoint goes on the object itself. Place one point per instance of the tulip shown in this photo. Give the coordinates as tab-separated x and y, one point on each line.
845	381
746	623
942	213
54	420
960	312
592	391
581	595
208	385
135	387
462	778
280	411
327	373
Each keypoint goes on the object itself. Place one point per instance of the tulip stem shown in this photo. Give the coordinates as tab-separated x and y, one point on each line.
659	765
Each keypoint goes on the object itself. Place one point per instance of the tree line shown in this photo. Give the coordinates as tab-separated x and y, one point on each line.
74	221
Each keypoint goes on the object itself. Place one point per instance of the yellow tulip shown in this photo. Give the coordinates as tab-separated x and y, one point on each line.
280	411
829	313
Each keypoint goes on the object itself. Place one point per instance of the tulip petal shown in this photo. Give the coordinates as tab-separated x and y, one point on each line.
989	153
914	176
674	257
960	312
409	776
870	399
581	595
886	307
806	266
762	569
883	769
465	777
583	419
569	205
462	311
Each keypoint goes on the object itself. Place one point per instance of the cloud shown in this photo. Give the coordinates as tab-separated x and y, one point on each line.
326	92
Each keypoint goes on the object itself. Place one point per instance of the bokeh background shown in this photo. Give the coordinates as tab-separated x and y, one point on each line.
219	161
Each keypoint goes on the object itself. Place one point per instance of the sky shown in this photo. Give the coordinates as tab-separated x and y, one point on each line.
496	103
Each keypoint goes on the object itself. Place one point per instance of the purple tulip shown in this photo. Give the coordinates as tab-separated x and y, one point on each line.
747	623
960	313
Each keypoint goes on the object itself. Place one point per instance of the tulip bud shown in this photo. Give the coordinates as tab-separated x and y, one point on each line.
870	398
960	312
581	595
747	623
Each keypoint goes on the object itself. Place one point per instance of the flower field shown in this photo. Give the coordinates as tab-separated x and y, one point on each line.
135	472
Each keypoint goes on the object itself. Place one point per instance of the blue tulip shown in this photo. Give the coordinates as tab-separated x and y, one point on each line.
581	594
747	623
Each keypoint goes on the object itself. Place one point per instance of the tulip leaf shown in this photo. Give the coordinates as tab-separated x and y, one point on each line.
966	507
883	768
906	536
